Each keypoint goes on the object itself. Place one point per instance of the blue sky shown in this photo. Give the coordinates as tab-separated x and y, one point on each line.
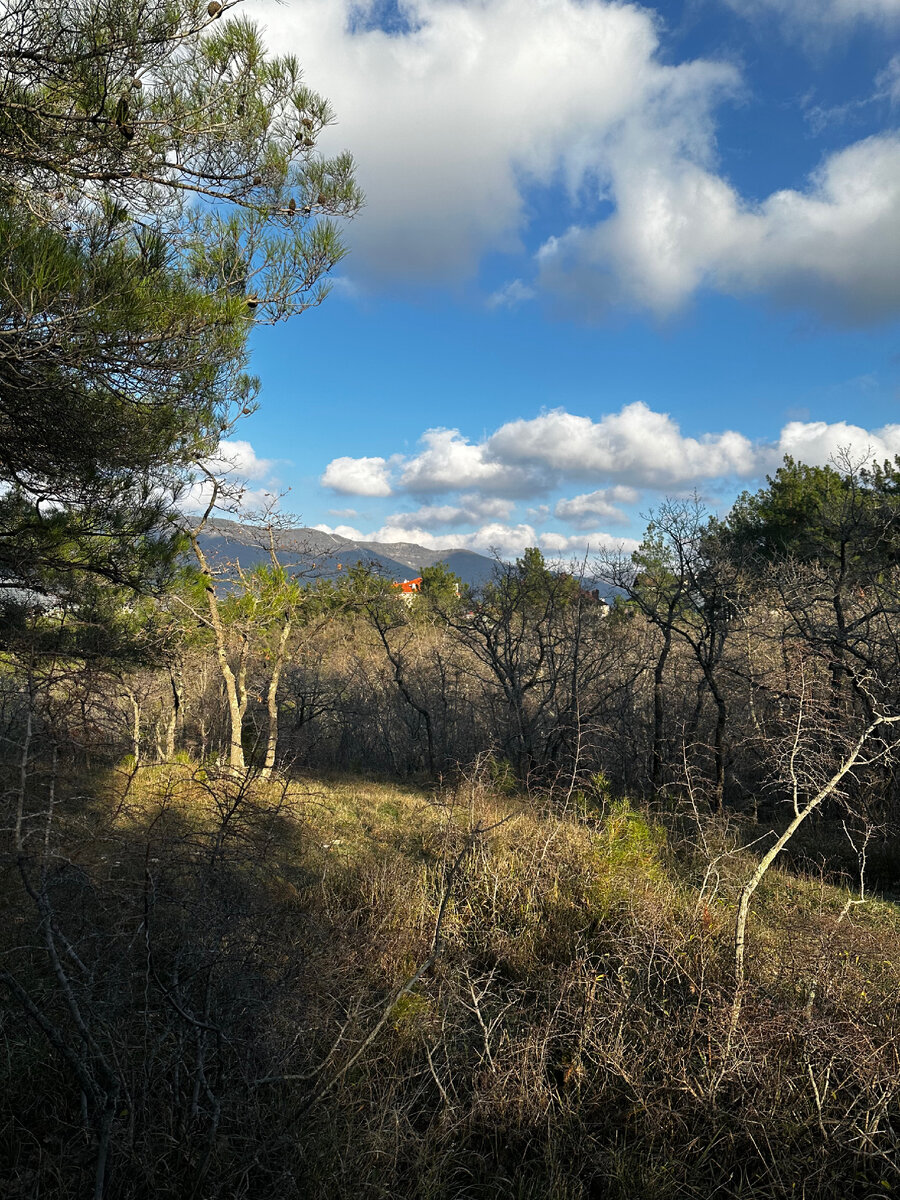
610	253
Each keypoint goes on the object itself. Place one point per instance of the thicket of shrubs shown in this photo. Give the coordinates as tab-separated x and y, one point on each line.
237	989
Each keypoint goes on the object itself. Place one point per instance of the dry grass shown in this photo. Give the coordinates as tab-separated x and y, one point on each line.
244	961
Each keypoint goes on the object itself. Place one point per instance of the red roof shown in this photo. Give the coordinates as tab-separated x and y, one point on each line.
410	585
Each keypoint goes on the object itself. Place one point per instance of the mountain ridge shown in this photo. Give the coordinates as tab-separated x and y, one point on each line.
225	539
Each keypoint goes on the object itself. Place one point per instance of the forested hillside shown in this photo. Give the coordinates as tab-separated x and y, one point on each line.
314	554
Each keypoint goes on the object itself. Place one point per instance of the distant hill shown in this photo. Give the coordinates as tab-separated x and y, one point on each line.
318	555
315	554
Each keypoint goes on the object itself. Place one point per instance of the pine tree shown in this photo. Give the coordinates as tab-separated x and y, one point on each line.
160	193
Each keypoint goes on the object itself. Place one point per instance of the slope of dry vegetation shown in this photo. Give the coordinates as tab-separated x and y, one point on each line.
346	987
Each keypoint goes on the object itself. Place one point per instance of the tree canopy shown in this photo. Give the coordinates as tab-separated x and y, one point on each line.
442	587
160	192
845	517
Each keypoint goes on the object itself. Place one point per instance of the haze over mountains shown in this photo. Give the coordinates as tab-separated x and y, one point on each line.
327	554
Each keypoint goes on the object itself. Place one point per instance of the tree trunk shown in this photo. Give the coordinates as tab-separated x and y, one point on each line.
659	712
272	700
235	707
719	751
176	677
135	725
740	925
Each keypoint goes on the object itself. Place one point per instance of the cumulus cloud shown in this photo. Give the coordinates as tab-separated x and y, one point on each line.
344	531
818	442
586	510
831	247
358	476
834	247
471	510
452	119
637	446
451	462
456	116
511	540
629	453
586	543
238	459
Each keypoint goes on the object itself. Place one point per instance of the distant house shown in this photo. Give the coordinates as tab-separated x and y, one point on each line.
409	589
603	605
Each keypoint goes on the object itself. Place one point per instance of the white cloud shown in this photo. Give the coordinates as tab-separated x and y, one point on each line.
818	443
586	543
345	531
358	476
636	446
585	510
511	295
238	459
238	500
832	247
392	532
624	452
511	540
453	121
471	510
451	462
506	540
803	16
523	459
